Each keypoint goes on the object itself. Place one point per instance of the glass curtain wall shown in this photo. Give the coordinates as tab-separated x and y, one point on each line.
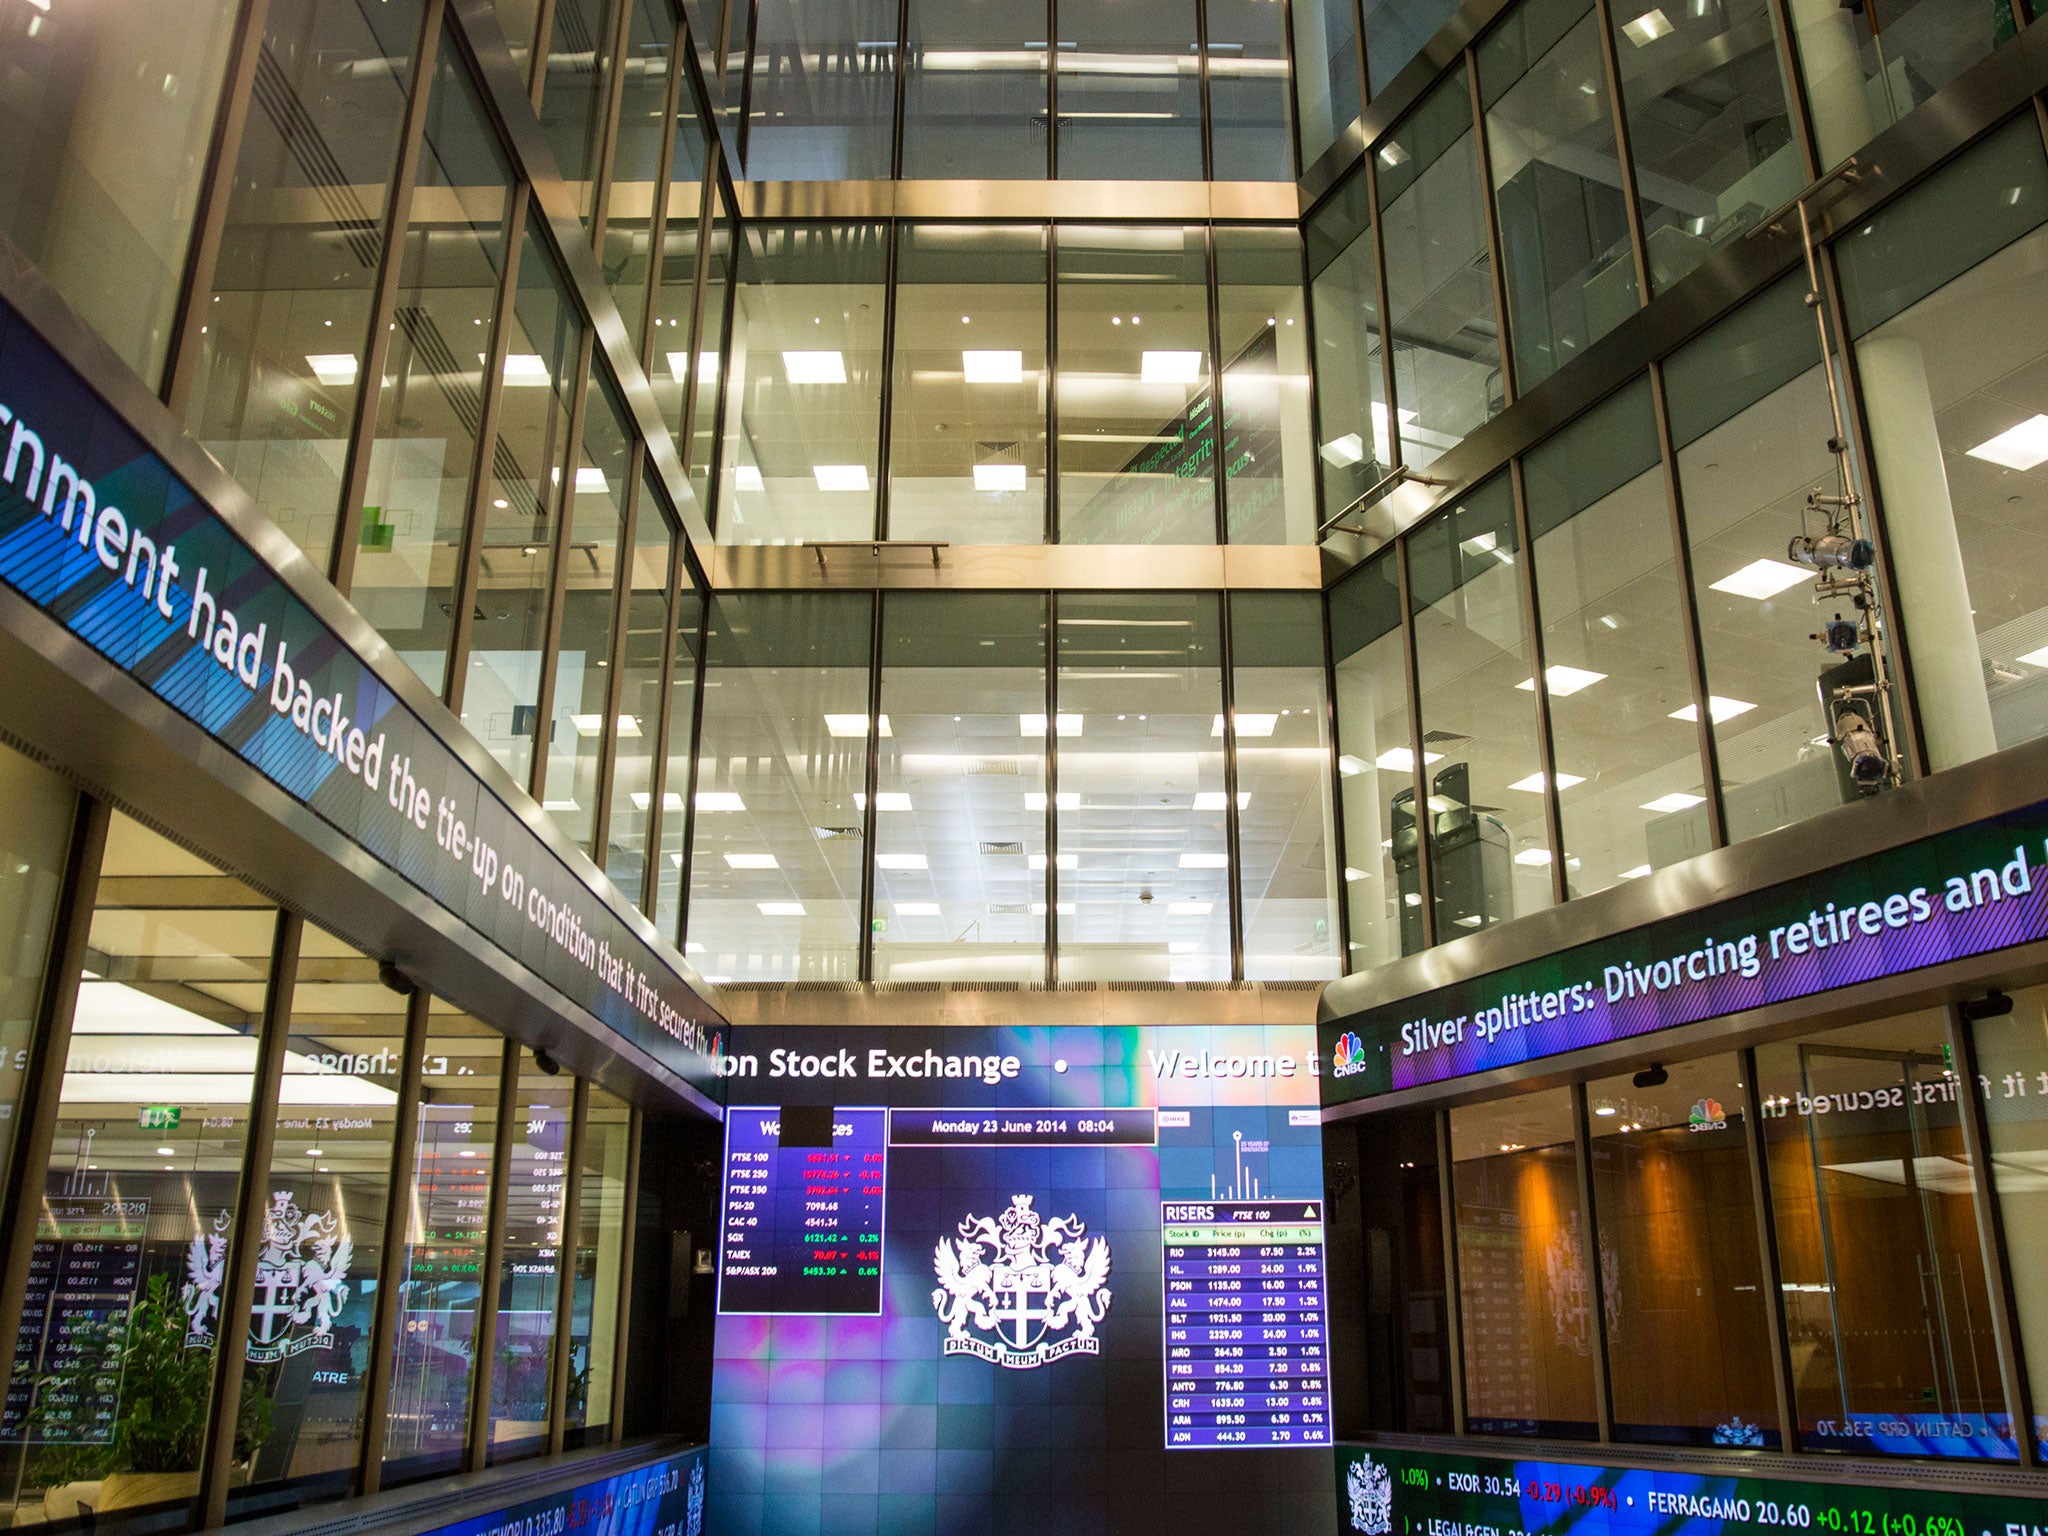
960	814
1376	766
967	444
575	97
1142	842
1623	721
1130	96
113	1365
1250	130
429	414
634	182
275	395
1266	442
823	92
529	1273
2012	1066
1354	445
1866	67
683	687
1396	31
775	871
632	814
699	439
1328	92
591	1331
672	369
1287	880
1489	847
107	116
1136	451
35	838
803	386
975	100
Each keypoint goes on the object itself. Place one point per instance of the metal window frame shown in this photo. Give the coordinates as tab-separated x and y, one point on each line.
484	1332
565	1267
568	458
615	658
1425	823
1770	1269
1589	1257
657	772
629	1234
1532	633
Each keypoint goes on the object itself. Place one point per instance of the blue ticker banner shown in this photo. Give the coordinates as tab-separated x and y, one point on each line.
663	1498
101	535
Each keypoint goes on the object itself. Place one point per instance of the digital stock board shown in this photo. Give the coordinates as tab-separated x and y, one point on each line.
1386	1491
1022	1279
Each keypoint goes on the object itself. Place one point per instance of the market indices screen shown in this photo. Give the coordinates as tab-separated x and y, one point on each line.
1051	1278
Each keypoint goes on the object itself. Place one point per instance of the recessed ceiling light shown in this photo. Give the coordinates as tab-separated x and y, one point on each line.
751	861
841	477
1217	800
748	477
337	369
993	367
814	367
1563	682
1066	909
169	1152
1205	861
852	725
670	800
2034	658
780	908
1343	452
1065	861
310	1152
559	805
1402	759
1189	908
917	909
1034	725
1647	28
1247	725
715	800
1761	579
890	800
1533	784
900	861
1718	709
1677	800
1066	800
591	478
1535	857
1182	947
1170	368
1353	874
2020	447
591	725
1637	873
1000	477
525	368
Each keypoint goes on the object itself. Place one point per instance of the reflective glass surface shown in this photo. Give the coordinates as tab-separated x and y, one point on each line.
803	386
1130	96
700	441
1249	127
1267	442
1353	444
35	832
636	171
1395	32
581	57
1376	766
682	727
1868	65
1629	784
431	406
529	1274
1571	276
1143	856
960	814
967	419
1489	849
2012	1063
776	870
634	746
592	1332
1327	89
975	102
1287	881
824	90
1135	451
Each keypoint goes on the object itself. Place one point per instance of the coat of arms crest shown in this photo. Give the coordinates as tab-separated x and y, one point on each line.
301	1281
1370	1493
1023	1280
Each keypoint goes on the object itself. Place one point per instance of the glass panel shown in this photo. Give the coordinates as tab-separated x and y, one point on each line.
593	1332
1688	1344
1707	124
776	870
1287	883
636	178
1248	126
35	835
1571	276
444	1248
677	292
1871	1185
824	95
275	396
1376	767
1136	458
1353	444
960	795
967	428
529	1284
1524	1293
113	1364
330	1181
1268	445
432	403
634	746
1866	67
1630	787
572	106
1143	857
974	105
583	651
1447	376
682	696
1954	391
106	119
1749	416
2012	1066
1396	31
1488	846
520	20
713	357
1327	97
1130	92
803	409
502	690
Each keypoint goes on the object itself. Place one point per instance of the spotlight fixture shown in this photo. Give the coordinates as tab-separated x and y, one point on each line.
1652	1076
547	1063
1993	1005
1832	552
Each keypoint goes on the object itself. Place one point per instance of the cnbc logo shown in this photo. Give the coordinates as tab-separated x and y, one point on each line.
1349	1055
1707	1115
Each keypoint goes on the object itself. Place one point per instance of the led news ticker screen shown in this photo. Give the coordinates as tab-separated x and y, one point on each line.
1028	1279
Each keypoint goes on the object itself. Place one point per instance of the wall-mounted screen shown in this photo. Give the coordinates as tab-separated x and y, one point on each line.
1022	1279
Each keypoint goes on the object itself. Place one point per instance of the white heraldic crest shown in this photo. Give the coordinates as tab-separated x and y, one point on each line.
1018	1282
301	1282
1370	1493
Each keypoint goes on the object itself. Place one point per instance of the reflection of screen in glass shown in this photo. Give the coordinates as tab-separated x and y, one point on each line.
1022	1278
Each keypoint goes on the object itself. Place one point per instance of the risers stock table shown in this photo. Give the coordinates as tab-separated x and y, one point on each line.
1247	1360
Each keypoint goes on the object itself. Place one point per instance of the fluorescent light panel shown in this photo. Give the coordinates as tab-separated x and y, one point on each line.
1677	800
1761	579
1000	477
1171	368
2021	447
335	369
840	477
1034	725
993	367
751	861
1563	682
1718	709
814	367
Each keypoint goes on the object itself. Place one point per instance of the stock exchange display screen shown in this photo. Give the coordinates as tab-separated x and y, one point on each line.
1022	1279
